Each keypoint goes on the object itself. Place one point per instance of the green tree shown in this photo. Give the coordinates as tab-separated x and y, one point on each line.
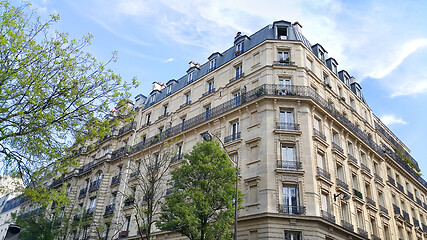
202	205
53	94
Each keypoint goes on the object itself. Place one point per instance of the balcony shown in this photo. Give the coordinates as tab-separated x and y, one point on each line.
371	202
208	92
342	184
289	165
406	216
86	168
400	187
391	180
383	210
396	210
116	180
424	227
123	234
411	196
163	115
94	185
416	222
120	152
328	216
317	133
323	173
378	177
287	126
284	63
109	209
358	194
337	147
232	137
347	225
83	192
363	233
294	210
127	128
237	77
134	174
365	168
353	159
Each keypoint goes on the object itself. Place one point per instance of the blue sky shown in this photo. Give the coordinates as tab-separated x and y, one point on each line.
383	44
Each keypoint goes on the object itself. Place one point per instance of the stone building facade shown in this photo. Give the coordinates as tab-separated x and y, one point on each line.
315	162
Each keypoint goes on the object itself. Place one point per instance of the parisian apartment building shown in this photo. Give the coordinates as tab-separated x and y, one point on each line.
315	161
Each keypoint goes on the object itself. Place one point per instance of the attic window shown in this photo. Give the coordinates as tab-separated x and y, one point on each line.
334	68
153	98
346	81
321	56
190	77
169	90
239	48
212	64
282	33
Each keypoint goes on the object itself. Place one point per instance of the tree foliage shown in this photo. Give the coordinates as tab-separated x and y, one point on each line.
53	94
202	205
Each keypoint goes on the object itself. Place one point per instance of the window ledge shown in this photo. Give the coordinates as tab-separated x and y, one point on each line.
253	204
254	125
253	162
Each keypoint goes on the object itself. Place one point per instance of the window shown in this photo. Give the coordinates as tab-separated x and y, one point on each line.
321	56
346	81
113	198
308	64
336	138
283	56
169	90
183	123
235	130
340	172
339	92
321	160
239	71
368	190
236	99
386	233
360	220
190	77
165	110
253	235
179	150
127	224
374	227
344	212
352	104
285	84
152	98
381	199
292	235
187	98
350	148
324	198
288	154
239	48
147	119
355	182
290	199
317	124
211	87
282	33
334	68
376	170
207	112
212	64
286	119
106	150
363	158
326	79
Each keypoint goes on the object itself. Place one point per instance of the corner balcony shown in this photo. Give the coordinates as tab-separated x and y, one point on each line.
287	126
328	216
293	210
232	137
289	165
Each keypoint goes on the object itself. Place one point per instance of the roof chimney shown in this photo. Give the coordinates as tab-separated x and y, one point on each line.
158	86
238	34
297	26
352	80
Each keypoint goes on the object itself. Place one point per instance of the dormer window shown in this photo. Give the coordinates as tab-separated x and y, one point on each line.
321	56
239	48
169	90
212	64
282	33
347	81
190	77
334	68
153	98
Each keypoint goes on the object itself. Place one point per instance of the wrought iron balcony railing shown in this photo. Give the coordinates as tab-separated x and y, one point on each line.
237	77
384	209
391	180
347	225
378	177
291	165
319	134
352	158
342	184
337	147
127	128
134	174
375	237
287	126
295	210
232	137
208	92
371	202
357	193
424	227
419	201
406	216
284	63
115	180
400	187
185	104
416	222
176	158
363	233
328	216
410	195
365	168
323	173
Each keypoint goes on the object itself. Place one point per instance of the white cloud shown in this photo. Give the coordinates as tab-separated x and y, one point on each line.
170	60
390	119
